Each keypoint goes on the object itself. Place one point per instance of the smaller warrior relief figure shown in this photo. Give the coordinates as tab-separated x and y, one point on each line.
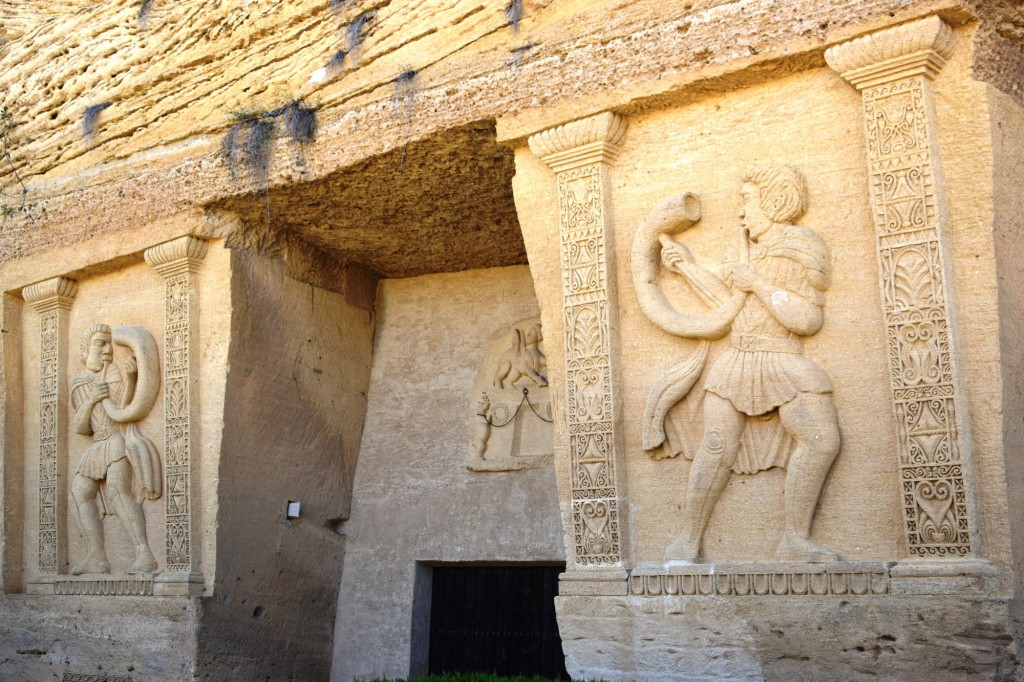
121	468
767	301
511	420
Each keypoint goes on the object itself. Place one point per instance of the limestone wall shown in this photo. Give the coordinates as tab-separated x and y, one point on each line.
1008	245
100	624
172	81
414	500
297	373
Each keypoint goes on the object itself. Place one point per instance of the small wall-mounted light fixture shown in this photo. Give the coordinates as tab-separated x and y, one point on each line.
292	509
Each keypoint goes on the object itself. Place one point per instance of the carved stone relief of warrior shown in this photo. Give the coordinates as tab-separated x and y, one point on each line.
764	403
120	468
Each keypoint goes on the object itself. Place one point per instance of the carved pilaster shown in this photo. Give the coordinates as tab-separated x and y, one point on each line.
178	261
893	69
52	300
580	154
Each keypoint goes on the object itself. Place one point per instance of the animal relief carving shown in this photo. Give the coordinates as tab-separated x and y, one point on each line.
120	468
763	403
511	419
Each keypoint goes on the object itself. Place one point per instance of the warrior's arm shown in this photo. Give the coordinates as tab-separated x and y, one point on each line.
795	312
792	310
83	409
708	287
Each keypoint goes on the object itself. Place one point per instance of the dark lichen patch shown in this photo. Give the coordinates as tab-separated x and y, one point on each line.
355	34
339	6
91	118
514	14
300	121
251	138
405	92
144	8
336	63
6	131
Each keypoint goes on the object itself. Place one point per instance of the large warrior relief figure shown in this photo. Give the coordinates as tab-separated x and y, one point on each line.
120	468
764	403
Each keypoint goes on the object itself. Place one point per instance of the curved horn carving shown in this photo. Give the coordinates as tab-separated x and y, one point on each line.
143	345
673	216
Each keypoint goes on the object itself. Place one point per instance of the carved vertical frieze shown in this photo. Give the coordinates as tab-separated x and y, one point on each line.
580	154
52	300
178	261
893	71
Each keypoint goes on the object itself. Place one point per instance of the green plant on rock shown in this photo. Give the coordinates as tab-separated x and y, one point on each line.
6	129
249	142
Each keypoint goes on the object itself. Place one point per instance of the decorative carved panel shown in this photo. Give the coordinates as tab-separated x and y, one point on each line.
112	586
178	261
893	70
52	299
580	154
840	578
511	411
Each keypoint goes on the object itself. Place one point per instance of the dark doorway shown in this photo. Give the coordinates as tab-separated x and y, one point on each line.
495	619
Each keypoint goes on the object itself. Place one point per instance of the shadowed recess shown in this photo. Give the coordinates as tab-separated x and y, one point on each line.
447	207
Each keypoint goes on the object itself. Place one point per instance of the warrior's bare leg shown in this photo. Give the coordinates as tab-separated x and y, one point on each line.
810	419
723	427
119	477
83	492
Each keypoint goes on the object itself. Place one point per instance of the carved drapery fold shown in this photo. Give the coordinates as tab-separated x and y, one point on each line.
52	300
893	69
580	153
178	261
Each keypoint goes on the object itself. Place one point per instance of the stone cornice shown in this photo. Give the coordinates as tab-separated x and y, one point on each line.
57	292
578	143
183	254
918	48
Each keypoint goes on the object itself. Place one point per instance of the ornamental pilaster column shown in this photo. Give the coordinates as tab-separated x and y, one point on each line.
52	300
893	70
581	154
178	262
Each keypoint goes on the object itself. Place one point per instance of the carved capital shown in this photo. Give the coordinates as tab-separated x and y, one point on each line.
589	140
183	254
51	294
919	48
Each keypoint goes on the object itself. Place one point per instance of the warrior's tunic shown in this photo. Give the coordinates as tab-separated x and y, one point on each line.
108	443
765	366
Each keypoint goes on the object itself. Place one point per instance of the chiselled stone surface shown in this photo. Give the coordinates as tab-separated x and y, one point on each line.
172	81
764	403
581	154
52	299
120	468
178	261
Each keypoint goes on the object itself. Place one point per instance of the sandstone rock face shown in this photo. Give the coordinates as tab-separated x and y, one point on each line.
775	252
414	501
298	375
172	81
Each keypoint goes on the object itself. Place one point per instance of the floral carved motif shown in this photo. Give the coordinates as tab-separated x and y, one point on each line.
579	152
893	70
52	299
178	261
